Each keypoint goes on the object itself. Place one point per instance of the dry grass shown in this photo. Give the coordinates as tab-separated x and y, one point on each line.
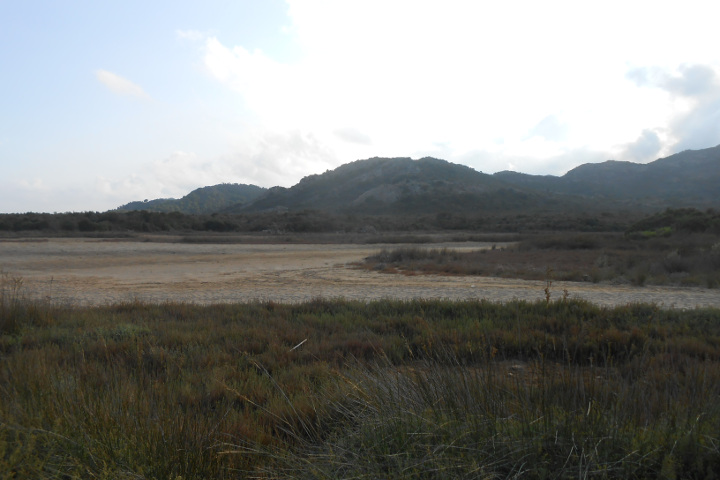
688	260
340	389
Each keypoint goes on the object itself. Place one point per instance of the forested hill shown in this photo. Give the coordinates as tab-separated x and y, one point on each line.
688	178
403	186
400	186
202	200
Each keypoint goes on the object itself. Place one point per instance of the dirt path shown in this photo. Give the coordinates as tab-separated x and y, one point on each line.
91	272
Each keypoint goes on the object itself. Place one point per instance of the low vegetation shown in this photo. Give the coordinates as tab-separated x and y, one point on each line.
342	389
131	223
676	247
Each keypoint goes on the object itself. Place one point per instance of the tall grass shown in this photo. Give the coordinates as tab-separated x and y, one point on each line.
443	418
343	389
11	303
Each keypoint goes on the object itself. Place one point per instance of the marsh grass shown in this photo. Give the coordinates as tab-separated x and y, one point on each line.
385	389
11	303
16	311
442	418
688	259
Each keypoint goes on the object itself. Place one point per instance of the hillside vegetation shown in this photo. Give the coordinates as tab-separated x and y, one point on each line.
394	186
688	178
204	200
116	223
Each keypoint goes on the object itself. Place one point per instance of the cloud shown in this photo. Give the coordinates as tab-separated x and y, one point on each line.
557	163
693	81
280	158
562	162
252	74
688	80
448	89
262	157
122	86
646	148
550	128
353	135
695	123
265	158
173	176
698	128
442	91
42	195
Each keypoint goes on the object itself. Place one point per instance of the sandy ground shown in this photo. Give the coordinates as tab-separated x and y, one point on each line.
92	272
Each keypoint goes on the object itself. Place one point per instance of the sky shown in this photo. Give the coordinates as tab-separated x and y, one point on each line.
107	102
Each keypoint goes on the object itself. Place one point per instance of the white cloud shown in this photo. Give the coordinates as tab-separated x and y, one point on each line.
263	158
694	90
687	80
270	158
469	82
170	177
42	195
122	86
36	184
645	149
551	128
418	78
557	162
353	135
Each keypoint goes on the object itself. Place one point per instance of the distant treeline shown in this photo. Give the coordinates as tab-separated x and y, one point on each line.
120	222
687	220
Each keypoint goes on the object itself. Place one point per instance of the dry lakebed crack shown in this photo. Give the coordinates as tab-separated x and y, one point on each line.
103	271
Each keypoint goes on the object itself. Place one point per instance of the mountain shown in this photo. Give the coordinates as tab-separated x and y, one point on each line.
688	178
202	200
402	186
398	186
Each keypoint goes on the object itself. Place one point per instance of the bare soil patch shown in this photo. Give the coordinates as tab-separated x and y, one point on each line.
99	271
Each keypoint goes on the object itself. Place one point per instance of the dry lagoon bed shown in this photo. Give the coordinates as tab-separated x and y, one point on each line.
101	271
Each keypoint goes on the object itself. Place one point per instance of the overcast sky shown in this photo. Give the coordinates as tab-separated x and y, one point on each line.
105	102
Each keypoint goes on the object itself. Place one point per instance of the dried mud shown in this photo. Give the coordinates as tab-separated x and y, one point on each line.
95	271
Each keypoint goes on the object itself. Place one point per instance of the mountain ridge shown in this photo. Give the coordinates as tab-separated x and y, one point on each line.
201	200
402	185
690	177
395	186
